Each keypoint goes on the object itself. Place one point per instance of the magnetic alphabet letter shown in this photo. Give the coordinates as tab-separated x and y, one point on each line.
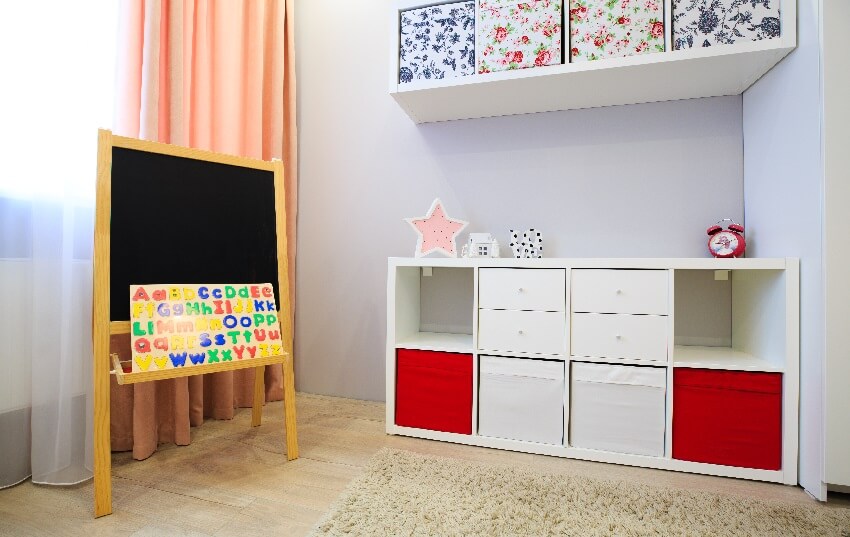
144	362
141	294
205	340
161	343
178	359
142	345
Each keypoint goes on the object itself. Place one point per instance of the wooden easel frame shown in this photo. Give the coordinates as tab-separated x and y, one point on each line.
103	328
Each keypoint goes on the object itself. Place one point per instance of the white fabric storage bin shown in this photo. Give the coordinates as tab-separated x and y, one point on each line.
618	408
521	399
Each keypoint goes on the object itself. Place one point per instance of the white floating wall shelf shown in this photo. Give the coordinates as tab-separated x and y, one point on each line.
663	76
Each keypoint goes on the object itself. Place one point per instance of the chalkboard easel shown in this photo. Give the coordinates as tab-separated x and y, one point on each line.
169	215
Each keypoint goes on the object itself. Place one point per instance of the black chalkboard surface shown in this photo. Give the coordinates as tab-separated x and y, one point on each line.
182	220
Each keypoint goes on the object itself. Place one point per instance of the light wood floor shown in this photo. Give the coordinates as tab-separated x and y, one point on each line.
234	480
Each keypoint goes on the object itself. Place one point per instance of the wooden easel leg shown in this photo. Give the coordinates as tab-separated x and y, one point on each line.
100	331
289	408
102	448
259	396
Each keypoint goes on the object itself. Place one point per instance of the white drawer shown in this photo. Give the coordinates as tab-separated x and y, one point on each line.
543	332
619	291
635	337
522	289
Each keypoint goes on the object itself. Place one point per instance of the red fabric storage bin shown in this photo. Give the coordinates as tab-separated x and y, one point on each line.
732	418
434	391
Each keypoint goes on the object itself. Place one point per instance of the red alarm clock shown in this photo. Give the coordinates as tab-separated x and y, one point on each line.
727	242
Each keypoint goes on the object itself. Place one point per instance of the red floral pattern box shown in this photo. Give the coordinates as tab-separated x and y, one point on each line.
613	28
518	35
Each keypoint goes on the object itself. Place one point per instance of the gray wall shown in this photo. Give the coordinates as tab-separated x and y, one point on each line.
626	181
783	200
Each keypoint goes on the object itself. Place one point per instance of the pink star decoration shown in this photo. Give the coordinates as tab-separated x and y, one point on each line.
437	232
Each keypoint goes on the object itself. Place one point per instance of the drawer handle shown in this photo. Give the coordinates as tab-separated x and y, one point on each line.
520	332
618	336
619	291
520	290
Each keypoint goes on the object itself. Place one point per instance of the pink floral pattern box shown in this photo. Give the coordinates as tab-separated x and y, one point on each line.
613	28
518	35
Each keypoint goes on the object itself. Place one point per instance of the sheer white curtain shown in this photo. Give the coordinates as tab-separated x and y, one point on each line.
57	59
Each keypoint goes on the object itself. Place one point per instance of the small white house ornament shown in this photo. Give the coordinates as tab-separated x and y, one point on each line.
481	245
437	232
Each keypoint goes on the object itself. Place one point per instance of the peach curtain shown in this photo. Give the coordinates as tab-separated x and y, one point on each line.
216	75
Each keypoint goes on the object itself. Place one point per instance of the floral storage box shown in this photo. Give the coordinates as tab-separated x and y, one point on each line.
517	35
437	42
704	23
613	28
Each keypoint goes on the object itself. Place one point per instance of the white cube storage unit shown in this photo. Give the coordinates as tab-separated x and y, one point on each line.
521	399
589	358
618	408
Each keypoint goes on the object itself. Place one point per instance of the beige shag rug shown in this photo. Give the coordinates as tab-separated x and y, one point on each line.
403	493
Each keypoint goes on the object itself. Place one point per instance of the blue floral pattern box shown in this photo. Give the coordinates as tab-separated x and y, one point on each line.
437	42
706	23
